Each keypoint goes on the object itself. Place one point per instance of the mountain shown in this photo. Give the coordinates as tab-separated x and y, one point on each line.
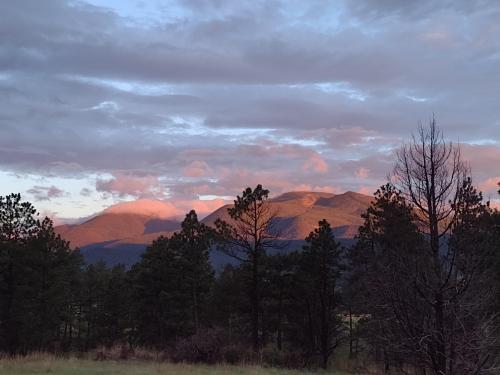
298	213
120	233
131	222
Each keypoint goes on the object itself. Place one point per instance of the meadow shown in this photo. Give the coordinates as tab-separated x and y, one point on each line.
46	364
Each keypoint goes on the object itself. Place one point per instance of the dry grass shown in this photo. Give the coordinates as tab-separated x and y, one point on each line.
47	364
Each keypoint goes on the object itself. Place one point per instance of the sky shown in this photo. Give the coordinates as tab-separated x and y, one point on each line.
189	102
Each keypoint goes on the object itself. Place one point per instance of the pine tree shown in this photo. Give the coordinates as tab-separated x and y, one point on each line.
247	239
171	284
37	269
54	268
278	294
228	304
384	265
194	241
320	271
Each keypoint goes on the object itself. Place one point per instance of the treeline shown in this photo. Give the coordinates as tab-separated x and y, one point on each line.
418	292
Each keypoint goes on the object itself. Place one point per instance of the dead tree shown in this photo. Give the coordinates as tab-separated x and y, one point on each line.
432	177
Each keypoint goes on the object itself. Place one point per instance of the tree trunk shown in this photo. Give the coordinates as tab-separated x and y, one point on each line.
195	308
324	363
280	318
255	302
351	338
324	335
440	339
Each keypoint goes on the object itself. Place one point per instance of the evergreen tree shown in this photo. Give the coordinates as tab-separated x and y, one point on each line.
37	269
161	309
229	306
194	242
114	321
104	308
171	284
474	324
385	263
93	291
247	239
17	224
319	276
54	268
278	294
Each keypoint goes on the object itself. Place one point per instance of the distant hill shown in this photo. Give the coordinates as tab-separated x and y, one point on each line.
121	233
298	213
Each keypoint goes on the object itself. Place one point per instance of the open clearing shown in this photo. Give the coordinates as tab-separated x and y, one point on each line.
57	366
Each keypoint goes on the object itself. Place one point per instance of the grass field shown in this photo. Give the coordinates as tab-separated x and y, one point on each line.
57	366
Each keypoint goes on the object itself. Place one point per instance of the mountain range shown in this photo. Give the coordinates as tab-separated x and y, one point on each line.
121	233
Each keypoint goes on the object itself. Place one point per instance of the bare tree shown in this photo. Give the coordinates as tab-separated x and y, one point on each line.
432	177
430	173
251	234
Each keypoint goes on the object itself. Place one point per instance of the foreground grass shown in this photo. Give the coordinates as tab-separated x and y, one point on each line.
57	366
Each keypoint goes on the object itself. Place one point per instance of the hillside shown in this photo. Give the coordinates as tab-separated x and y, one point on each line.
121	233
298	213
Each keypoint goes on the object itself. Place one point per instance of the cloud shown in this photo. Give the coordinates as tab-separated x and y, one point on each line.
490	183
362	173
123	185
489	187
188	100
202	207
165	209
46	193
315	163
86	192
197	168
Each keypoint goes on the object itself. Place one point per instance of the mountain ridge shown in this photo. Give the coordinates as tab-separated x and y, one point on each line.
119	230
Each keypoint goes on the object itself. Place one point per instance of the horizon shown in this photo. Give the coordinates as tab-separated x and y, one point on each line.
189	102
164	209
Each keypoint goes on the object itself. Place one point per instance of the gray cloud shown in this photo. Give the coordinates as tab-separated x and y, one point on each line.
86	192
209	96
45	193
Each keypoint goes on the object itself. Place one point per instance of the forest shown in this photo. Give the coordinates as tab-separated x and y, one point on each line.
418	292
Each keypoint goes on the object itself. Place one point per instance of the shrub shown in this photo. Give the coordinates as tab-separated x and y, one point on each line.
282	358
124	352
232	354
204	346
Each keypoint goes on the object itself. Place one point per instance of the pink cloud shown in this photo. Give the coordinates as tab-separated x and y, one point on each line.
367	190
277	182
495	204
440	37
490	184
343	137
52	215
362	173
482	158
323	189
197	168
315	163
146	207
122	185
165	209
202	207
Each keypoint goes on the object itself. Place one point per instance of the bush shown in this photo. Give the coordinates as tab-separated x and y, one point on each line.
281	358
124	352
232	354
204	346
